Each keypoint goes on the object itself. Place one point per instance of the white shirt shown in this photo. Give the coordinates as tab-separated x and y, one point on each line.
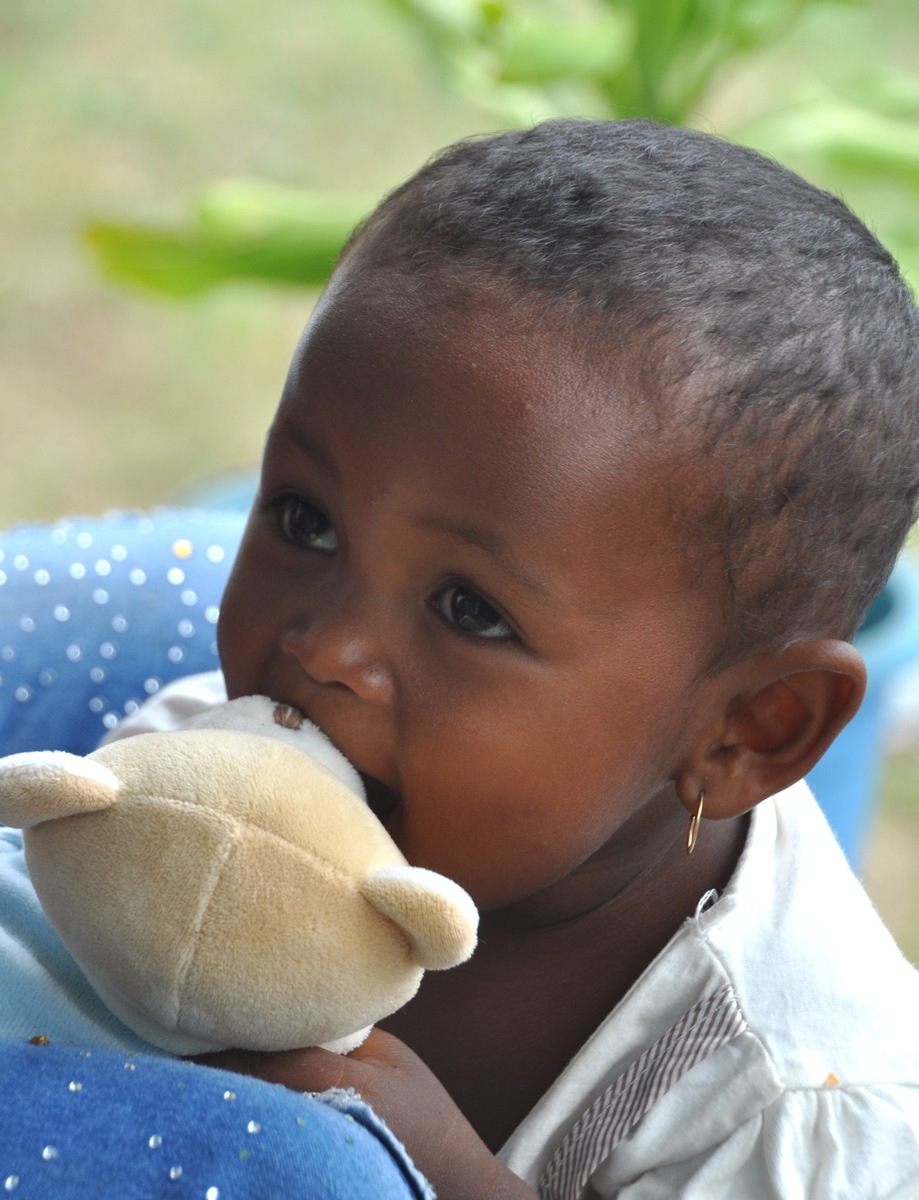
795	1071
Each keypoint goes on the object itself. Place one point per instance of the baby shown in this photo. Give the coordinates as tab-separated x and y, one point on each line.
599	444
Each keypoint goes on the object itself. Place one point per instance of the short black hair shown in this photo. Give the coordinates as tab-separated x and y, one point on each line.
784	342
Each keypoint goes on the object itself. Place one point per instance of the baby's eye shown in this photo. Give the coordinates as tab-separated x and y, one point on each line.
467	610
307	525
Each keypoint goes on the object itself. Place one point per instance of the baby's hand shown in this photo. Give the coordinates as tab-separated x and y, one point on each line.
400	1089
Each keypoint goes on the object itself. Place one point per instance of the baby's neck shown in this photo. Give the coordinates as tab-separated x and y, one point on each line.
498	1030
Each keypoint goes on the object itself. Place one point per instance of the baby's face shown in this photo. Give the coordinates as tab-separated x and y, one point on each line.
459	567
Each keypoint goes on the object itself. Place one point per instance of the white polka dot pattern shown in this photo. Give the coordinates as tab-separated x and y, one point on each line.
96	614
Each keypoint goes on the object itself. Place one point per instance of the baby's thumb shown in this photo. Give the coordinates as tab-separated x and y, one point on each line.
308	1070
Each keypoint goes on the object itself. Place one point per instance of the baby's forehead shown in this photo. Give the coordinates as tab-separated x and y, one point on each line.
470	311
477	344
531	411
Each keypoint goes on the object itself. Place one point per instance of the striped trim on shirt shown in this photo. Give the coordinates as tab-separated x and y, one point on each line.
709	1025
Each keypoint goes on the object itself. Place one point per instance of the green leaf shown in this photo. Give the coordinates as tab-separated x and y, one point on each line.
445	22
539	51
682	44
842	135
240	231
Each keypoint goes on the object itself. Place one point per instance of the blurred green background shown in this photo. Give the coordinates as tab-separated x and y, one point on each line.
131	120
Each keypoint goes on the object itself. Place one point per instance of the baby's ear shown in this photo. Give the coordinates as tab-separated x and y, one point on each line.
47	784
776	715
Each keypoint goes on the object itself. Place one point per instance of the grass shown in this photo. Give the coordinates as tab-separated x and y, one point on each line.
114	399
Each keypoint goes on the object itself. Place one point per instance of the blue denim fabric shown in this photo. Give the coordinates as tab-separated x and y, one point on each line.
82	1123
97	613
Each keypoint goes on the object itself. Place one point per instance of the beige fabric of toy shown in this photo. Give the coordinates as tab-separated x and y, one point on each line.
226	885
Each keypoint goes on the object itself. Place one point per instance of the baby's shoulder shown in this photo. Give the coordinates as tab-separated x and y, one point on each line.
773	1040
820	979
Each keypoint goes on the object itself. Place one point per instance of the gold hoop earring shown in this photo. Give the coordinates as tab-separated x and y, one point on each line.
694	822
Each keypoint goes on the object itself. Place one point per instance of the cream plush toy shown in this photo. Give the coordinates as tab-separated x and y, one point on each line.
226	885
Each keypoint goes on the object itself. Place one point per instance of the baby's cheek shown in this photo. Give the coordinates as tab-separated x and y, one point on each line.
500	854
240	638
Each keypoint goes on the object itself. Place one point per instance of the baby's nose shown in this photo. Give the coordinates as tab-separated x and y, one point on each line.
343	646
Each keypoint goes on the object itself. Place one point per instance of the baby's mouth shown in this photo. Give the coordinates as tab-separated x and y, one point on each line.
381	799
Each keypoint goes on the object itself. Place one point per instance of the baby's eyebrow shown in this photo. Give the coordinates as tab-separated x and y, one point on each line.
315	451
494	544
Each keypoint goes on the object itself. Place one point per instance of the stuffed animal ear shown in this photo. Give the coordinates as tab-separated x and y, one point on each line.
434	913
47	784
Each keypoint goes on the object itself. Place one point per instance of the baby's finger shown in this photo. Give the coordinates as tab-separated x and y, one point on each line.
306	1070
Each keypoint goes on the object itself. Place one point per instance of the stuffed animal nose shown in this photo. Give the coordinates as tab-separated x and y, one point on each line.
287	716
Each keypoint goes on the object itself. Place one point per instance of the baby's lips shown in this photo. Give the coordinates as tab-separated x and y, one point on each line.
382	800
